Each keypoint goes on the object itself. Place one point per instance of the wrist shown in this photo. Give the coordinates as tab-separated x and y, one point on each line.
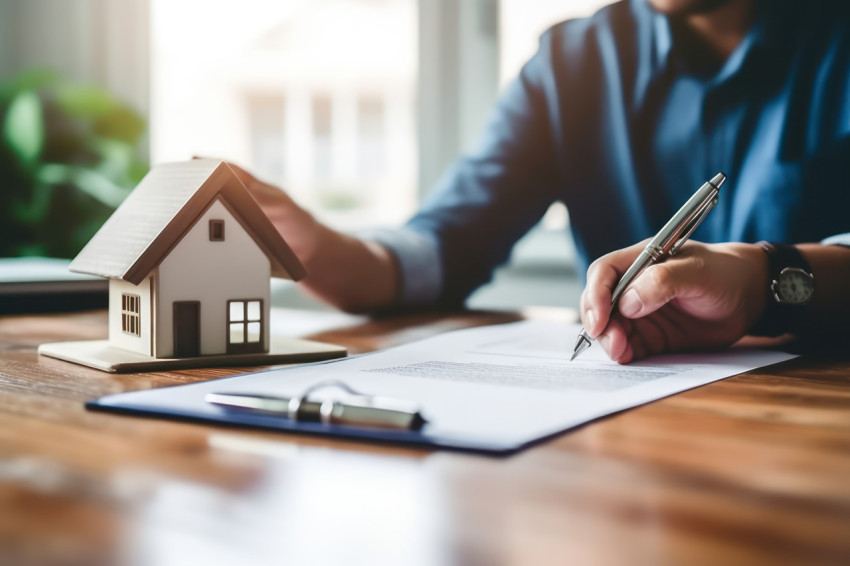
306	235
349	273
789	288
755	295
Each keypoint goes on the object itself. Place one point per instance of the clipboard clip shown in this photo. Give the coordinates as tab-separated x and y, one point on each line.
358	409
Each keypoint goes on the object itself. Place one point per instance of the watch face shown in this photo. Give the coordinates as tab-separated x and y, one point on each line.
793	286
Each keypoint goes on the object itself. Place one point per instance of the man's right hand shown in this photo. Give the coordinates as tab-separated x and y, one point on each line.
706	296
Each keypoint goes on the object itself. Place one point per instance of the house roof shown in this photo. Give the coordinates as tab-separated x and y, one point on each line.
156	215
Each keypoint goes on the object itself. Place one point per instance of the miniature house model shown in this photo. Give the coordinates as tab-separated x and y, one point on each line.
189	256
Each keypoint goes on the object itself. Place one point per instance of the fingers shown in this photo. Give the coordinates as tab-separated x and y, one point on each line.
275	201
695	300
615	340
243	175
626	340
630	334
258	188
602	276
661	283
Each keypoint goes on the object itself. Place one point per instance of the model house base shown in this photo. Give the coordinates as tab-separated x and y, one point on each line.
99	354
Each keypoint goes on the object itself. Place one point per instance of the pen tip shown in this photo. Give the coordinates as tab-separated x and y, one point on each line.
718	180
582	344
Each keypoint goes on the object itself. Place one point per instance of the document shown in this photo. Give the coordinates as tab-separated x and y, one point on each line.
492	388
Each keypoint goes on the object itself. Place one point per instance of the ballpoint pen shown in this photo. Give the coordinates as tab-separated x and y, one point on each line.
358	410
666	243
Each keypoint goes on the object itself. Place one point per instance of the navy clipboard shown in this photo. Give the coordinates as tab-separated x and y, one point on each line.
186	403
493	389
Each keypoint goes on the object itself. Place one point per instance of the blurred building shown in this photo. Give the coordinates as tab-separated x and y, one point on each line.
356	107
317	96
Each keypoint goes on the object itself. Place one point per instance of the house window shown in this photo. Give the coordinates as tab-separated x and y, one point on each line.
130	309
244	322
267	123
370	136
216	230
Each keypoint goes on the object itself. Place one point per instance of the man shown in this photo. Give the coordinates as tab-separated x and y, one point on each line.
622	116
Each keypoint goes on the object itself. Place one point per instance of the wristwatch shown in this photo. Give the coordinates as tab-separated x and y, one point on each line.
791	286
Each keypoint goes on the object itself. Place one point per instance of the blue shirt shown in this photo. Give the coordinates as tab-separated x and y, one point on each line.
609	119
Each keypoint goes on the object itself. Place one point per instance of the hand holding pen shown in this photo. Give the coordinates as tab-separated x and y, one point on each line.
666	243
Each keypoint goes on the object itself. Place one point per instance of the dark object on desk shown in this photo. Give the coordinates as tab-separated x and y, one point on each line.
37	284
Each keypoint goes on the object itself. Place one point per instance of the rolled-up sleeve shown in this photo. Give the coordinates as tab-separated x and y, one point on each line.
837	240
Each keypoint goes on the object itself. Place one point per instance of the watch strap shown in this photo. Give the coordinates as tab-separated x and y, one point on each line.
779	318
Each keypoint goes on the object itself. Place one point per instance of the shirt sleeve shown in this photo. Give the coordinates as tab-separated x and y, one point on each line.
837	240
495	194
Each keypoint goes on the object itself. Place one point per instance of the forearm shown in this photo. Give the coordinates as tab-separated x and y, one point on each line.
349	273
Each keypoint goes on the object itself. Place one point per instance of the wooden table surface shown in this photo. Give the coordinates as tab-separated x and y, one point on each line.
754	469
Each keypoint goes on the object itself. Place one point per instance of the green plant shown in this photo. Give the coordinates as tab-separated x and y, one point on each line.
68	157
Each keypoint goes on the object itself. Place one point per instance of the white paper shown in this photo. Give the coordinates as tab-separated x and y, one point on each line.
494	386
299	323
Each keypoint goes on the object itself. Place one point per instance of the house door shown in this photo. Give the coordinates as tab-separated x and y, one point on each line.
187	329
245	333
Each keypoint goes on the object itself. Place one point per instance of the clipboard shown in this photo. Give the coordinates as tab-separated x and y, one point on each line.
154	403
494	389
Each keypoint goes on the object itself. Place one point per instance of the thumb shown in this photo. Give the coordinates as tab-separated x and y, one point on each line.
659	284
247	179
602	277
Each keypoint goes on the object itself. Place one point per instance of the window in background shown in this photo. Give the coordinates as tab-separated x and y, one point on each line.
371	136
522	22
542	268
317	96
322	137
267	140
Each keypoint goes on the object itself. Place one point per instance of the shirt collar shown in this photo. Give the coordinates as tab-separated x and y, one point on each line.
656	53
770	35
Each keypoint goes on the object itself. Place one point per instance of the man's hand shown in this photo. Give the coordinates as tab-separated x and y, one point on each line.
297	226
349	273
706	296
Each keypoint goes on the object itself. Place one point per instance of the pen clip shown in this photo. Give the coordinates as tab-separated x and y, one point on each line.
697	218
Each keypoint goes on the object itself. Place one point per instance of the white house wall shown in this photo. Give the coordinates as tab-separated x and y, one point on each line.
119	338
212	273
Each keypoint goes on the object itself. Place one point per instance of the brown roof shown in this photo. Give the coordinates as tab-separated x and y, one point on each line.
156	215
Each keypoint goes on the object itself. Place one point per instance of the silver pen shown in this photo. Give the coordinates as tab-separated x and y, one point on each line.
359	410
666	243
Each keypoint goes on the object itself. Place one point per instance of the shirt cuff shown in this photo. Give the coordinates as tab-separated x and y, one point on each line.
419	263
837	240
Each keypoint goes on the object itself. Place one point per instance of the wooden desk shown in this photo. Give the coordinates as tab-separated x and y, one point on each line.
752	469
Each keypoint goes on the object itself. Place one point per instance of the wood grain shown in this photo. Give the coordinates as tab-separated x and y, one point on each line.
754	469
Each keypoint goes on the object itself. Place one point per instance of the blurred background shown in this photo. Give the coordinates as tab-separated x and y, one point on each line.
355	107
